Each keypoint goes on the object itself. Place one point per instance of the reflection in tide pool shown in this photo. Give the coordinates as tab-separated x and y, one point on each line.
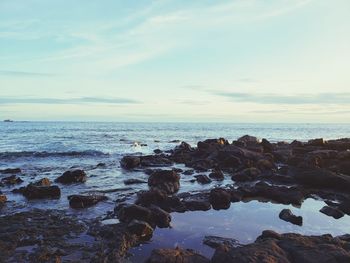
242	221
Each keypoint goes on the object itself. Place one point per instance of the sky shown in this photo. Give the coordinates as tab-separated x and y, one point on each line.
175	60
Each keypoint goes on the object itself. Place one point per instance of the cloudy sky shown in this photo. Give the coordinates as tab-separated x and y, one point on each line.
175	60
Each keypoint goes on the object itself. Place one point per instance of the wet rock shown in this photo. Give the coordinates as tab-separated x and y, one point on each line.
130	162
175	256
188	172
160	217
3	199
43	182
11	171
197	205
128	212
344	167
157	151
331	211
166	180
248	174
203	179
134	181
141	229
84	201
11	180
216	242
288	216
220	198
32	191
155	161
217	174
288	248
267	146
159	198
322	178
69	177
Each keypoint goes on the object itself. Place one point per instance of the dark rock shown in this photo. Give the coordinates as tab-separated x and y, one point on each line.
160	217
69	177
41	192
316	142
203	179
216	242
166	180
3	199
248	174
288	216
344	167
42	182
130	162
267	146
11	180
128	212
155	161
188	172
140	228
217	174
176	255
229	161
331	211
220	198
287	248
84	201
11	171
134	181
197	205
157	151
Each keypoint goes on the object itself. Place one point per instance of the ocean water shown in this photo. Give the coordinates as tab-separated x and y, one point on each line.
47	149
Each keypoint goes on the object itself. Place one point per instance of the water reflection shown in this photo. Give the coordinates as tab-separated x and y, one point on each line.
242	221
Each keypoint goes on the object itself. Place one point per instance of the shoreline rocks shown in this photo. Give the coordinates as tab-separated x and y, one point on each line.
70	177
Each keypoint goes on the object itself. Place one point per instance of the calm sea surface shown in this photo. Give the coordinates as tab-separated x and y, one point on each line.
47	149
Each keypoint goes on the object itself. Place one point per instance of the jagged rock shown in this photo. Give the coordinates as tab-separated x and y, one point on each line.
84	201
166	180
331	211
69	177
203	179
141	229
248	174
288	216
220	198
217	174
216	242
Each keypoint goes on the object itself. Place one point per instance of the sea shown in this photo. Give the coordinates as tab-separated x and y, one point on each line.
47	149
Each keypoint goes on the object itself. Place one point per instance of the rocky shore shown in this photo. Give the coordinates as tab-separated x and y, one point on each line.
277	172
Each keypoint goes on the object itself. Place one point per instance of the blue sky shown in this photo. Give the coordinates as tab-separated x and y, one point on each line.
165	60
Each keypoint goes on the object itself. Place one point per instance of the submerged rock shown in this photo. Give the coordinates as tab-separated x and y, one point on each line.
11	180
140	228
166	180
84	201
69	177
11	171
33	191
288	216
134	181
331	211
176	255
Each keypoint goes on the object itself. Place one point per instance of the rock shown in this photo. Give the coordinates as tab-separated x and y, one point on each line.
229	161
130	162
316	142
217	174
248	139
344	167
160	217
11	180
267	146
216	242
128	212
331	211
140	228
166	180
69	177
188	172
42	182
197	205
11	171
288	216
248	174
288	248
176	255
84	201
203	179
134	181
3	199
220	198
157	151
155	161
41	192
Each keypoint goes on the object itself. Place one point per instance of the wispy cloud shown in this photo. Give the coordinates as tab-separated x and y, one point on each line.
81	100
269	98
24	74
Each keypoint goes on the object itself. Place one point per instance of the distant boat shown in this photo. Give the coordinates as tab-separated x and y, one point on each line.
8	120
